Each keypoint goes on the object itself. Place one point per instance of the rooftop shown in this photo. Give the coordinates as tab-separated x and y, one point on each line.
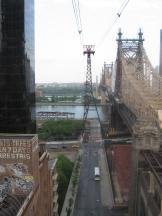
17	136
11	205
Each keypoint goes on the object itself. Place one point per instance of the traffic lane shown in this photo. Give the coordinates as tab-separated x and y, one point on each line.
83	186
96	205
88	197
93	198
96	147
82	189
89	203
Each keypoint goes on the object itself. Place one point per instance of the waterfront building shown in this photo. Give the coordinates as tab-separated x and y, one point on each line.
17	69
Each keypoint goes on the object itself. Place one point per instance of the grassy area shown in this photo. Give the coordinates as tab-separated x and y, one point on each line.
60	130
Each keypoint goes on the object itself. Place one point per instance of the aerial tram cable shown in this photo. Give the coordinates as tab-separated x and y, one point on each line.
76	8
124	4
75	13
117	16
80	30
122	8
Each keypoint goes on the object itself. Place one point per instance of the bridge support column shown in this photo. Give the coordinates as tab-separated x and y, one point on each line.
145	136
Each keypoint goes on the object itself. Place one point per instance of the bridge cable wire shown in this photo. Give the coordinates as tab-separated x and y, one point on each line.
118	15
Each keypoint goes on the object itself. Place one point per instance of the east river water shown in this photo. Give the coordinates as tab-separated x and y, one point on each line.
77	109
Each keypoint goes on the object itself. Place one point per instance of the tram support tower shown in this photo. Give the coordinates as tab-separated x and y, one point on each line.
88	95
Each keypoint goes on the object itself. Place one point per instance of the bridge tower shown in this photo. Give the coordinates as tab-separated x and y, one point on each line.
88	95
131	49
130	52
138	101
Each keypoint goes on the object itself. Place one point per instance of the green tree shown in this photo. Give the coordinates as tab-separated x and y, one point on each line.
64	169
60	130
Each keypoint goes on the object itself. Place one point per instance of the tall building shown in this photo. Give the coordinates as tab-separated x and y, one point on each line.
17	69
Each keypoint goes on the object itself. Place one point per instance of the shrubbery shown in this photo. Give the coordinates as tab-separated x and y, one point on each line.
60	130
64	169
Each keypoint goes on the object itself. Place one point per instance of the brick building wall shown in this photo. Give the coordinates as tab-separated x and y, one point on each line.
39	202
30	206
25	173
45	198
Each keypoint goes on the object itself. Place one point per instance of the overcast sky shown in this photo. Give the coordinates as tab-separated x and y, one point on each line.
59	54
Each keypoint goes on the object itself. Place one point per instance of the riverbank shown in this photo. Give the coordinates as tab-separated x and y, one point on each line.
59	104
62	104
78	110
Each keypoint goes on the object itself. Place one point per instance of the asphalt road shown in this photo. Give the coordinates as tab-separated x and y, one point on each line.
89	199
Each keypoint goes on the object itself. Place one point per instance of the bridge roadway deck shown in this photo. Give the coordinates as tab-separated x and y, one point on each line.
94	197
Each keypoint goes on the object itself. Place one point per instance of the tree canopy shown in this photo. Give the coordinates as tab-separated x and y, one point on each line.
64	169
60	129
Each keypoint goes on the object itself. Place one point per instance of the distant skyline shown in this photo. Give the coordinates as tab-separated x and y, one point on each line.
59	54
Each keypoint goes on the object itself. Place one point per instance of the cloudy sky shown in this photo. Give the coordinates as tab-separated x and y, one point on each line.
59	53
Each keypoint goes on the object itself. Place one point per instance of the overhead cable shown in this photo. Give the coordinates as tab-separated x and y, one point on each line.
79	16
76	8
123	7
117	16
75	13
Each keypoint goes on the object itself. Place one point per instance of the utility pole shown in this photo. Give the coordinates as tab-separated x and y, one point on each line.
88	95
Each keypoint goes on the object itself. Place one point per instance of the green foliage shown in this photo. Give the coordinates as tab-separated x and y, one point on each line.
68	211
64	169
74	181
75	173
71	201
60	130
64	165
64	91
56	99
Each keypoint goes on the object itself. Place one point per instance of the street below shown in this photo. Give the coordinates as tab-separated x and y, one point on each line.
94	197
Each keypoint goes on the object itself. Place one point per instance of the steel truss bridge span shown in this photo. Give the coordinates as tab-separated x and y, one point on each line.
138	92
